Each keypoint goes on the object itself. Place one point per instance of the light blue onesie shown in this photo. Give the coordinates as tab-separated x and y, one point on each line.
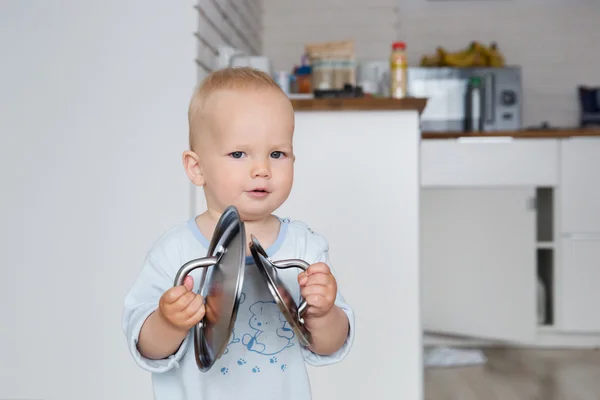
263	360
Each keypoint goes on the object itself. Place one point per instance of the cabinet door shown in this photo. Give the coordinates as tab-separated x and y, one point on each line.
580	273
478	262
580	185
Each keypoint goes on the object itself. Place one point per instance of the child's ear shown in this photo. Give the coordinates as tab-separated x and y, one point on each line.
191	163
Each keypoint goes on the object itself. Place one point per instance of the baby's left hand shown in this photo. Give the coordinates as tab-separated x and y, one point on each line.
319	288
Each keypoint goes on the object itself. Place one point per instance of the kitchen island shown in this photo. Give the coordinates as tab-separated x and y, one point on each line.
357	183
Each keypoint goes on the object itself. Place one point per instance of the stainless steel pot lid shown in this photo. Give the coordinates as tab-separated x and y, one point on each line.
220	285
293	313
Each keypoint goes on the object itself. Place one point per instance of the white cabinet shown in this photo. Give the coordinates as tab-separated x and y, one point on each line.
580	283
362	193
580	185
580	234
486	252
489	162
478	262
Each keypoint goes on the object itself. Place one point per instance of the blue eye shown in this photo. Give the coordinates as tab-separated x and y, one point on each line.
277	154
237	154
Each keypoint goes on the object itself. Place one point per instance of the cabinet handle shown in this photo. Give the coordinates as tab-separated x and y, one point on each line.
485	139
582	236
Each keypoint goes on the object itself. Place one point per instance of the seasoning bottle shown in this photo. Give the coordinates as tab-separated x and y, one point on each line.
398	71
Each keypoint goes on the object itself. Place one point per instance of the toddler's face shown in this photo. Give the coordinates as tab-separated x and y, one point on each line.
247	158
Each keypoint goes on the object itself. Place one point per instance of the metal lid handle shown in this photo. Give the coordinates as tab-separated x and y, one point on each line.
188	267
303	265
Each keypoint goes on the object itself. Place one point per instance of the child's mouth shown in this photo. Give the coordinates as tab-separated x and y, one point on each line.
259	192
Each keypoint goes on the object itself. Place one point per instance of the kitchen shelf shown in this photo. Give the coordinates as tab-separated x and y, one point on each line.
545	273
545	214
545	251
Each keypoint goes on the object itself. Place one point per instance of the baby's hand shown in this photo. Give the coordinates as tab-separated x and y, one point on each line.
319	288
181	307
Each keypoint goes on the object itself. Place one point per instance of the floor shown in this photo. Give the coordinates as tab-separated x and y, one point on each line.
520	374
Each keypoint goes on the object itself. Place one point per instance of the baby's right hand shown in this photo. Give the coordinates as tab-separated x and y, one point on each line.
181	307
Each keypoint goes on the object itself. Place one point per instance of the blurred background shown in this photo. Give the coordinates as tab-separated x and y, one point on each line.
93	120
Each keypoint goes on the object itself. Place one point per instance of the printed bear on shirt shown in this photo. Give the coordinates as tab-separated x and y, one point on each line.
270	332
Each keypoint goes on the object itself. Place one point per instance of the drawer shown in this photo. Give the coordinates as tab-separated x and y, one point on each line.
489	162
580	185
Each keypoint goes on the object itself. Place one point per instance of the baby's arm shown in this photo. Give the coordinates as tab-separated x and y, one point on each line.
158	339
329	332
164	330
153	321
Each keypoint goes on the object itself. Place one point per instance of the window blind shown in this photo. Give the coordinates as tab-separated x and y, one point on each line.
234	23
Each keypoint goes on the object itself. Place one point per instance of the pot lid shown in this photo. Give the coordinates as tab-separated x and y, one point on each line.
292	312
220	285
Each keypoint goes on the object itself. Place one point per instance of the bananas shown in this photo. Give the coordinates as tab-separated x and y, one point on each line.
475	55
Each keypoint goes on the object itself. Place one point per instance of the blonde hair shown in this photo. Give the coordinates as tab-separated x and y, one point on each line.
238	78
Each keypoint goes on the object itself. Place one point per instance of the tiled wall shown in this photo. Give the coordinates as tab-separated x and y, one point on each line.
554	41
235	23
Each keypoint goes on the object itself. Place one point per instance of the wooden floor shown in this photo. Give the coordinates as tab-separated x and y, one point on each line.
520	374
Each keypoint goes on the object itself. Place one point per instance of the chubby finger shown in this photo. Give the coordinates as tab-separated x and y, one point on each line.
311	292
172	295
196	304
197	316
320	279
188	282
318	302
184	301
302	278
318	268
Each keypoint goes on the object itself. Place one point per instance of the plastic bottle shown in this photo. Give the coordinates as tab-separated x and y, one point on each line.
398	71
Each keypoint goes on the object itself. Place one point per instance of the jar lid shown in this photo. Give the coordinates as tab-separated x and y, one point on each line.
399	46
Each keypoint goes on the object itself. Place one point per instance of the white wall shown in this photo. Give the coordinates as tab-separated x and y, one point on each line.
554	41
288	25
92	126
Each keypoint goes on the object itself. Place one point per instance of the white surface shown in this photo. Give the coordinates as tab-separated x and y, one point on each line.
489	162
580	185
92	126
478	262
451	357
362	195
579	283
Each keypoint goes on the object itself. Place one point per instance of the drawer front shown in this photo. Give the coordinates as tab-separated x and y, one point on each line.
579	277
580	185
489	162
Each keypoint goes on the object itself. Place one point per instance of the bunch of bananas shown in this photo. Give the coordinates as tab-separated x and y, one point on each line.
475	55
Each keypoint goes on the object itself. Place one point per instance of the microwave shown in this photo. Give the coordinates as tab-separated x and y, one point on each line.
468	99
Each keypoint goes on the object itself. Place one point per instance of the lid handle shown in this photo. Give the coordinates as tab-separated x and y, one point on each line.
188	267
303	265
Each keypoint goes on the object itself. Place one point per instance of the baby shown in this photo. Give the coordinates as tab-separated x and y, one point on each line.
241	153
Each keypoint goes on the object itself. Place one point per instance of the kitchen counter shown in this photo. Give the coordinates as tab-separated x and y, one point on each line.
360	104
524	134
366	145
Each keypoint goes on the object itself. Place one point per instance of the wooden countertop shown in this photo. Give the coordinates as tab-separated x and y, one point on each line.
359	103
524	134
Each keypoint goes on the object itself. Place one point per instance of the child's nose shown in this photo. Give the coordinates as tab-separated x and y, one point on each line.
261	169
